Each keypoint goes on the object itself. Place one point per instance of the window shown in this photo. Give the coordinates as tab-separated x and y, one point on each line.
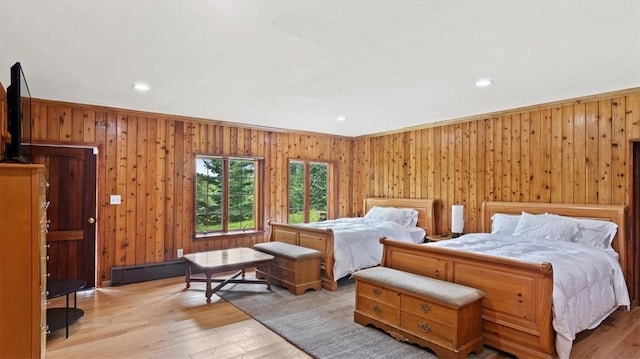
227	194
310	185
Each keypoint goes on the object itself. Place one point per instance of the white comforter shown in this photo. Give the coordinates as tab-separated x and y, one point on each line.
357	242
588	284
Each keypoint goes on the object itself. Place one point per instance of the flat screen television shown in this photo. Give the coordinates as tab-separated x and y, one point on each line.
18	113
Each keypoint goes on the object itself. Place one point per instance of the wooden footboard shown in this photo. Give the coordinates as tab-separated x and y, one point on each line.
516	310
314	238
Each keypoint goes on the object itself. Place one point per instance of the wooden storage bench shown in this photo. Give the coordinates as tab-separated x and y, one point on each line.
295	268
439	315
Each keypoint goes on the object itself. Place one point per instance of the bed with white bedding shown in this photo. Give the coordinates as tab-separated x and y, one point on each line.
357	241
545	277
588	283
350	244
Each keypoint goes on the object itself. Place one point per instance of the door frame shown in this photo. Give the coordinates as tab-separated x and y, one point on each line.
96	148
633	216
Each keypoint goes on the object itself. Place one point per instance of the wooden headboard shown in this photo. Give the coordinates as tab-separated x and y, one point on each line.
614	213
425	208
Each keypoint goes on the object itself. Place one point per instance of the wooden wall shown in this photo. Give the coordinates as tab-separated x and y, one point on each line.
149	160
572	151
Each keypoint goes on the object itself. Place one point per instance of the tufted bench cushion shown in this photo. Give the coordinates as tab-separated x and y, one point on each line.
287	250
444	292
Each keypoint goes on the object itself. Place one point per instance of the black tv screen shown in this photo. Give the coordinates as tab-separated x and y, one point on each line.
19	112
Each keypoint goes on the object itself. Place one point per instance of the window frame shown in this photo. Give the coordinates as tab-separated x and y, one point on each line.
332	187
258	197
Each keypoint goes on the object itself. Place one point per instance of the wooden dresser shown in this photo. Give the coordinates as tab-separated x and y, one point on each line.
23	255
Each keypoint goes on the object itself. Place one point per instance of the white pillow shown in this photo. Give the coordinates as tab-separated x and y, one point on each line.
547	227
592	232
407	217
504	223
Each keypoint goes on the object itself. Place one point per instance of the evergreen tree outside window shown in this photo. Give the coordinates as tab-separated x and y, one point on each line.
309	186
226	194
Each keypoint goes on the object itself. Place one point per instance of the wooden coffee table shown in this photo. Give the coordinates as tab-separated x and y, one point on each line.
225	260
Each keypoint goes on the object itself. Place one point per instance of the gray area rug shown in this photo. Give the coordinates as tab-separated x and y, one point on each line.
321	323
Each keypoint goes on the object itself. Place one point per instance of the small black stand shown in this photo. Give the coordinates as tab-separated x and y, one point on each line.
58	318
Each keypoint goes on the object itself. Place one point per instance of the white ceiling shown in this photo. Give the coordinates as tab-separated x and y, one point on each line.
298	65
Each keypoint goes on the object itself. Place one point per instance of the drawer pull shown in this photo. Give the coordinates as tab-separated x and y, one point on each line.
283	262
424	327
376	309
284	275
376	292
425	307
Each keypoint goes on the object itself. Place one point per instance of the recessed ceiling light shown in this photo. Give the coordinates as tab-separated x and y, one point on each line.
341	118
484	82
141	87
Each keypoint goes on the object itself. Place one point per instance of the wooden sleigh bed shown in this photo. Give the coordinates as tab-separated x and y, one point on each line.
517	308
323	239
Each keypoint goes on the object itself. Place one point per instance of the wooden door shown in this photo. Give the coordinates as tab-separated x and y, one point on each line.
71	174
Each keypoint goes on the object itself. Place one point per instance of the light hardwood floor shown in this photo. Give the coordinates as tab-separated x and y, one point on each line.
160	319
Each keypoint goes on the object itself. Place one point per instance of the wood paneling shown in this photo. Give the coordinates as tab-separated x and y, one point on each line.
573	152
567	151
148	159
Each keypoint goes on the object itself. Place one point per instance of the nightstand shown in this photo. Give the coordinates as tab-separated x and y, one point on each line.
438	237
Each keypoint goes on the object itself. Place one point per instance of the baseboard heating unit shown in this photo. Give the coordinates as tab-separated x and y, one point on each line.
145	272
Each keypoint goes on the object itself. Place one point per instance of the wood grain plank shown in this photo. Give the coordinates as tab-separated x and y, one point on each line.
151	158
170	187
160	190
121	139
545	144
65	123
526	176
489	177
40	122
515	140
473	172
536	156
604	152
556	155
130	198
188	196
591	154
429	162
53	123
90	127
498	155
179	193
450	194
141	191
77	125
579	153
632	115
619	141
568	164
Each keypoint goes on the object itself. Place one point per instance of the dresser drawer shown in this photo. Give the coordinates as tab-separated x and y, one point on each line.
285	263
427	329
378	293
377	310
284	274
428	310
